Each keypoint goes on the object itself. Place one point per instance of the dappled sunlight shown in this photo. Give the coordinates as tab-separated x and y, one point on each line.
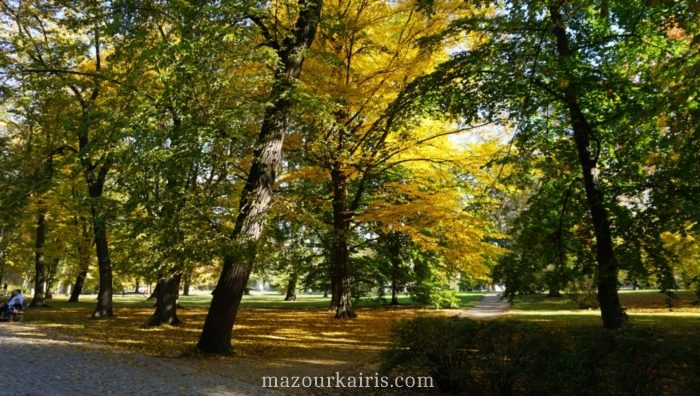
305	341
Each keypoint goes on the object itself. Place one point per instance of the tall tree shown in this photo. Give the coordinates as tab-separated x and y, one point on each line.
368	52
66	41
572	70
257	192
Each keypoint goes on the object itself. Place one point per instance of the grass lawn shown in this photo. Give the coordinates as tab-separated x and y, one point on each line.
644	308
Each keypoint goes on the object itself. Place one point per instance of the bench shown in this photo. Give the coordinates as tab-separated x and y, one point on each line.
17	314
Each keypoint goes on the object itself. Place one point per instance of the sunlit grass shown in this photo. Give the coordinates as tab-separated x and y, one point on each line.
643	307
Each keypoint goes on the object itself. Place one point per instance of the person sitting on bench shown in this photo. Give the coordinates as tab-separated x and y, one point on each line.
16	301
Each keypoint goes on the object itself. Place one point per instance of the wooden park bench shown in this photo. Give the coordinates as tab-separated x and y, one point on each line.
17	314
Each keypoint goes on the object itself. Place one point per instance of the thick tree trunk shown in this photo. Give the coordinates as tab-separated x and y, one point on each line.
166	301
39	258
291	294
341	299
218	327
611	310
257	192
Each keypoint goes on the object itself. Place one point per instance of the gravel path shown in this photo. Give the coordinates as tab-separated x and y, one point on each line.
489	307
34	363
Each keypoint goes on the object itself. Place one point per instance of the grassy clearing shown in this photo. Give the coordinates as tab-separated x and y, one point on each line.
265	300
644	308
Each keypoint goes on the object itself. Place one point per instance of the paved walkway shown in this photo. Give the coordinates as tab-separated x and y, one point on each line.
489	307
33	363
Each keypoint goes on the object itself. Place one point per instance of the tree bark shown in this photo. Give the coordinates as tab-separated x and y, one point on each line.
611	310
394	249
104	262
341	299
39	258
84	257
291	294
78	286
168	289
257	192
51	278
187	282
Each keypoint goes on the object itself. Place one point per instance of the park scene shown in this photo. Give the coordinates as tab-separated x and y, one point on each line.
361	197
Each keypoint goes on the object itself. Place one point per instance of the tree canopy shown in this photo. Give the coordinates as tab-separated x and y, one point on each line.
348	147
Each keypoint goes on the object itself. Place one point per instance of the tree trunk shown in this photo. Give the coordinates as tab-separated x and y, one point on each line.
187	282
39	258
291	294
84	264
257	192
78	287
218	327
168	289
104	263
611	310
395	258
84	257
156	290
51	278
341	298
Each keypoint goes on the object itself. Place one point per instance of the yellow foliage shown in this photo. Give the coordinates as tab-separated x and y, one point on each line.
686	249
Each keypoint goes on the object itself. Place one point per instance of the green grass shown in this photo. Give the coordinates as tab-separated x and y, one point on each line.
644	308
265	300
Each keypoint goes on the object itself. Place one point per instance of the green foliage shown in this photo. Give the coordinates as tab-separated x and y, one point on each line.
434	295
511	357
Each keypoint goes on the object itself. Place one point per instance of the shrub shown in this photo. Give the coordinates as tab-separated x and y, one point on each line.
433	295
512	357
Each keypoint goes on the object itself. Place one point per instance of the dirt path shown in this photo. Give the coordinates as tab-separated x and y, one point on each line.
34	363
489	307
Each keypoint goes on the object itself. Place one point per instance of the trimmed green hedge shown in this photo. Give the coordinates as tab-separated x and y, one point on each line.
519	358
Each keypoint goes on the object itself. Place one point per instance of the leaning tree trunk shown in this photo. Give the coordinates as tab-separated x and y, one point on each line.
341	299
83	248
291	294
39	258
611	310
257	192
166	301
78	286
83	266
